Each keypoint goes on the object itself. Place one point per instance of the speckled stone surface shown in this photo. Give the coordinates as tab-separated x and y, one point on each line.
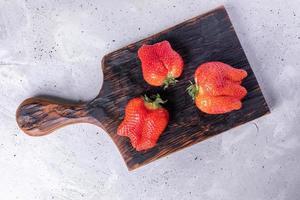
55	48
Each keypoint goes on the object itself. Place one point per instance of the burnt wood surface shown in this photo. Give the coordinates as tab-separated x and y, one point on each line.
208	37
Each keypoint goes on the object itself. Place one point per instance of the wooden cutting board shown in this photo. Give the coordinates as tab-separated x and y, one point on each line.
208	37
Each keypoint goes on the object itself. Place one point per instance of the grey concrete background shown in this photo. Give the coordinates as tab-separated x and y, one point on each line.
55	46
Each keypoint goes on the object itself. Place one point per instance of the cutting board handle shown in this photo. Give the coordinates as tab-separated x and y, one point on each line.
41	116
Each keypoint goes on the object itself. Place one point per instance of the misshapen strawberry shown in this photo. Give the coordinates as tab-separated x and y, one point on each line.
161	65
217	88
145	120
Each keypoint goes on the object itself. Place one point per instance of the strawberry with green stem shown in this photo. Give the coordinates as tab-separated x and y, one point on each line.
161	65
217	88
145	120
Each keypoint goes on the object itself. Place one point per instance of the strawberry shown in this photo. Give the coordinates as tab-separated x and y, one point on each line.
217	88
145	120
161	65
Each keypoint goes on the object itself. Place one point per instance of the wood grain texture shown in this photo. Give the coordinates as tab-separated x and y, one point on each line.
39	116
209	37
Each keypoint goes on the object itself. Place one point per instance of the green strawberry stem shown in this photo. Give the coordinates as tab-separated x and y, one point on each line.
193	90
154	102
170	80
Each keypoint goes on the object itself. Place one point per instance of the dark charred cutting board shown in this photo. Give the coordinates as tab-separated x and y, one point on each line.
208	37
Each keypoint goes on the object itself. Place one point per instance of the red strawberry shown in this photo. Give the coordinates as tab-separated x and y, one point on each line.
160	64
217	88
145	120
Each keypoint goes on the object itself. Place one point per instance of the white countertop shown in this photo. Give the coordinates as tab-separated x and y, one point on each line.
55	47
